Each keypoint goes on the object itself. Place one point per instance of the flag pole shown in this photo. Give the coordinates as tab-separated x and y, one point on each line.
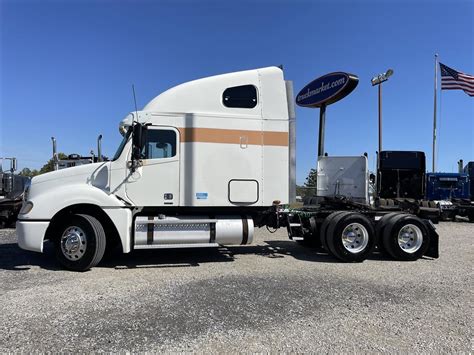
434	116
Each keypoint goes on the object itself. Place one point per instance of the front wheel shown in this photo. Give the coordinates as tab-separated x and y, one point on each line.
81	243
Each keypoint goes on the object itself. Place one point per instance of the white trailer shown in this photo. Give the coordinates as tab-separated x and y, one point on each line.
202	165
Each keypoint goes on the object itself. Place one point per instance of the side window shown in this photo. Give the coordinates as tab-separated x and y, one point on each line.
244	96
159	143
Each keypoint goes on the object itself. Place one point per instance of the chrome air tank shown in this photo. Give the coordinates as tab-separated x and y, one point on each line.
192	231
234	230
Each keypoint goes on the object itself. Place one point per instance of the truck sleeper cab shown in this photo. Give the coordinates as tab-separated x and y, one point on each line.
201	165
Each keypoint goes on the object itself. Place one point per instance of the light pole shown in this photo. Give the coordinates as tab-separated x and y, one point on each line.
378	80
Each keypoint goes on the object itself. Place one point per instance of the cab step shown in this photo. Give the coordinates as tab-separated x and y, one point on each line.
177	246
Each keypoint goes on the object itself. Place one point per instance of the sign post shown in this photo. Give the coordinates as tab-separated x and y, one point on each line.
322	129
324	91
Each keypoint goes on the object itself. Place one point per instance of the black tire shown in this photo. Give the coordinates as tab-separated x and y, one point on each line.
391	242
334	237
324	227
88	232
380	227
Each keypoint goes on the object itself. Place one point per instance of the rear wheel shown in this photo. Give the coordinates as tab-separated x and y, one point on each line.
380	227
81	243
406	238
324	227
351	237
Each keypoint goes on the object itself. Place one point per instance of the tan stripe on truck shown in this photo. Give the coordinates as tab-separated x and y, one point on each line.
233	136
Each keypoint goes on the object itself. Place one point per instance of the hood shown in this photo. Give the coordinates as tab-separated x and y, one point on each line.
96	173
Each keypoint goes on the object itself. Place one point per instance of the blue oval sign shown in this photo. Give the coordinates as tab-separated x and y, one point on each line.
327	89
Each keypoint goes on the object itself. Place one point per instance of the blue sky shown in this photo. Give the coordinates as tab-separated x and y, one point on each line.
67	68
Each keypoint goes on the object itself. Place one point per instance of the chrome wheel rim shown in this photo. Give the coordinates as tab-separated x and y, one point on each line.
410	238
73	243
355	238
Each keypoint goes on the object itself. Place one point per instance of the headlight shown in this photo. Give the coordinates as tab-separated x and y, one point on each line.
26	208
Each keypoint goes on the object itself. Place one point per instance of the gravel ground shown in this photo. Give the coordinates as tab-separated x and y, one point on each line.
272	296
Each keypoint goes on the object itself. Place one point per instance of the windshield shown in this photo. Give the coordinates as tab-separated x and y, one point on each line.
122	144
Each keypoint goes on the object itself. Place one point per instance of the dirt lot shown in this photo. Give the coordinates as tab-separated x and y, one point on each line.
272	296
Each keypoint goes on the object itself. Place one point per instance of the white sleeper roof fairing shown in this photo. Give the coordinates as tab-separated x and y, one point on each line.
205	95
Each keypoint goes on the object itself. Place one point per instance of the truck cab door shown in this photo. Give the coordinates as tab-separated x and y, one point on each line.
156	181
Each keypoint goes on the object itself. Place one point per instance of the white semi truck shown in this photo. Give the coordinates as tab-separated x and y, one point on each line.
202	165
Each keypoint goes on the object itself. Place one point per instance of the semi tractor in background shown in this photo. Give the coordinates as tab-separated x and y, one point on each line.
202	165
401	174
12	185
469	170
451	192
11	190
402	183
77	159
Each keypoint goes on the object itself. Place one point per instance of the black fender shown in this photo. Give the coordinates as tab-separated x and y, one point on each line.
433	248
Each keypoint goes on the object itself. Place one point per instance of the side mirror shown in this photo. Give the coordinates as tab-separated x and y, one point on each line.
137	139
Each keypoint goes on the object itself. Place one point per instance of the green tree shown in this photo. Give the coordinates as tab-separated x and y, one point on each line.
309	188
300	190
49	166
28	172
46	168
311	179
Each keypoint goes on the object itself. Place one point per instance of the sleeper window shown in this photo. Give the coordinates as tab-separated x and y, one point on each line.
159	144
244	96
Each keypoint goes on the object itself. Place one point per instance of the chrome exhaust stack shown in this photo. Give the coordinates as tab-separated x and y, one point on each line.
99	148
55	154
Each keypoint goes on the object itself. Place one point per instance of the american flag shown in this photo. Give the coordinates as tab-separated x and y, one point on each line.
454	80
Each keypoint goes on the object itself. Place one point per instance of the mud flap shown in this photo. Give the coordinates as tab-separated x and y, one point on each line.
433	249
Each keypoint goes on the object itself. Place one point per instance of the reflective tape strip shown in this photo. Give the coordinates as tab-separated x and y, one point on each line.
233	136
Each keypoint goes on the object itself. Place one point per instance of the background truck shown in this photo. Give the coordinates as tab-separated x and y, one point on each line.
451	191
202	165
77	159
401	174
469	170
402	183
11	191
